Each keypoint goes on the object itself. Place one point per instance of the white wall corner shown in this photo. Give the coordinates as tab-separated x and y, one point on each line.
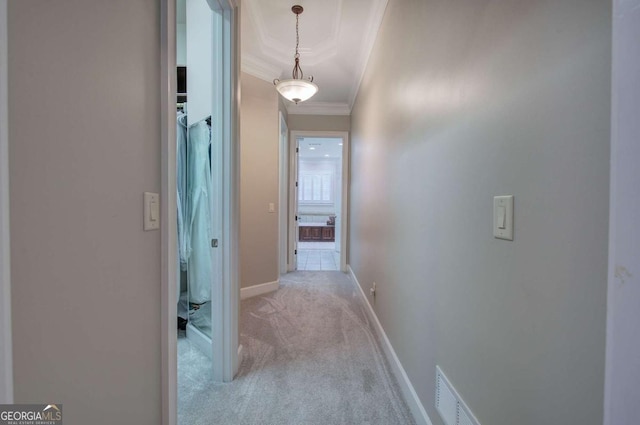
6	359
411	397
260	289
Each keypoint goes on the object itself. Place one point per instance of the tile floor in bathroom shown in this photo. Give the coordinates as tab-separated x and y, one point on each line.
318	256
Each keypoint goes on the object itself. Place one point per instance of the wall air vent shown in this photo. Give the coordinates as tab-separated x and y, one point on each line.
449	403
463	418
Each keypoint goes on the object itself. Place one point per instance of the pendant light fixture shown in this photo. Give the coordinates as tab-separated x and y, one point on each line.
297	89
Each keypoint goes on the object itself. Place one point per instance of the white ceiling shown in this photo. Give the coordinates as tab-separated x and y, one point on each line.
336	38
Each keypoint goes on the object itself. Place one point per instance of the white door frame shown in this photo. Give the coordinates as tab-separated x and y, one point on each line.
228	292
230	288
169	335
623	294
344	225
292	194
283	208
6	344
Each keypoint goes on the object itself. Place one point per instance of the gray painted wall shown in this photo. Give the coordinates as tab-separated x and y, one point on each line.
84	82
623	332
282	107
259	144
493	97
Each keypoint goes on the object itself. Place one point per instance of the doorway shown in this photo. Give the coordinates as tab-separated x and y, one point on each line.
205	106
210	100
318	201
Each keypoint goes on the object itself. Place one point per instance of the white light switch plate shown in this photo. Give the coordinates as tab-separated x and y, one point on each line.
151	211
503	217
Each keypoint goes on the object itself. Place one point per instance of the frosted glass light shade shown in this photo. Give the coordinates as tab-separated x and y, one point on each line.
296	90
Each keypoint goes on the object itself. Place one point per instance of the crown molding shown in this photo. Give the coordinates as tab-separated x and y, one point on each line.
319	108
283	53
259	68
379	8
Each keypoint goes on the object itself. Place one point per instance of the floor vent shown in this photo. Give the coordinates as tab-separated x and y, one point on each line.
449	403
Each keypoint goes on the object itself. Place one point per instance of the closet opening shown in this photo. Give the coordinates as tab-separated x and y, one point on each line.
206	171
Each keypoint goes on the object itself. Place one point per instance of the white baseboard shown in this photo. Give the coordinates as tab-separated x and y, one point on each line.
240	358
409	393
255	290
200	340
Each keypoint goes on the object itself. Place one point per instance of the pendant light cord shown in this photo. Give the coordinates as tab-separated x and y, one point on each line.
297	71
297	36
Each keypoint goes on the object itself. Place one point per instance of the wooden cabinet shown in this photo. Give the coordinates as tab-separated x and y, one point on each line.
328	233
315	233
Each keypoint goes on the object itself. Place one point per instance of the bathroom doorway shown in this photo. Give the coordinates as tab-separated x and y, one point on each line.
319	198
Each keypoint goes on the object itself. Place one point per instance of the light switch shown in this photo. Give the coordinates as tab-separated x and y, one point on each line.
151	211
503	217
272	207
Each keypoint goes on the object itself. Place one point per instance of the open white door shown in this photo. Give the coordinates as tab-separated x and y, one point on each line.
293	206
283	195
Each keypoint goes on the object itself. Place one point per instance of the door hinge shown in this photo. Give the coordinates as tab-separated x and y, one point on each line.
296	184
296	218
214	243
295	252
297	150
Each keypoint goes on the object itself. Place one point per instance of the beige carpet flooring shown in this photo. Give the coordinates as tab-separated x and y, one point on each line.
310	358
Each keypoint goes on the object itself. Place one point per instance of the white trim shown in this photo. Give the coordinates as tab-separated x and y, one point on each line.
259	68
219	132
344	218
373	27
318	108
260	289
344	213
6	358
200	340
169	338
274	49
623	296
411	397
292	196
231	179
283	182
240	352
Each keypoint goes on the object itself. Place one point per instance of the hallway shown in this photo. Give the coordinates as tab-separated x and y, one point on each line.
310	356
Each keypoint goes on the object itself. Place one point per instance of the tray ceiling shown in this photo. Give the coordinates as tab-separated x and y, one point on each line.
336	38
